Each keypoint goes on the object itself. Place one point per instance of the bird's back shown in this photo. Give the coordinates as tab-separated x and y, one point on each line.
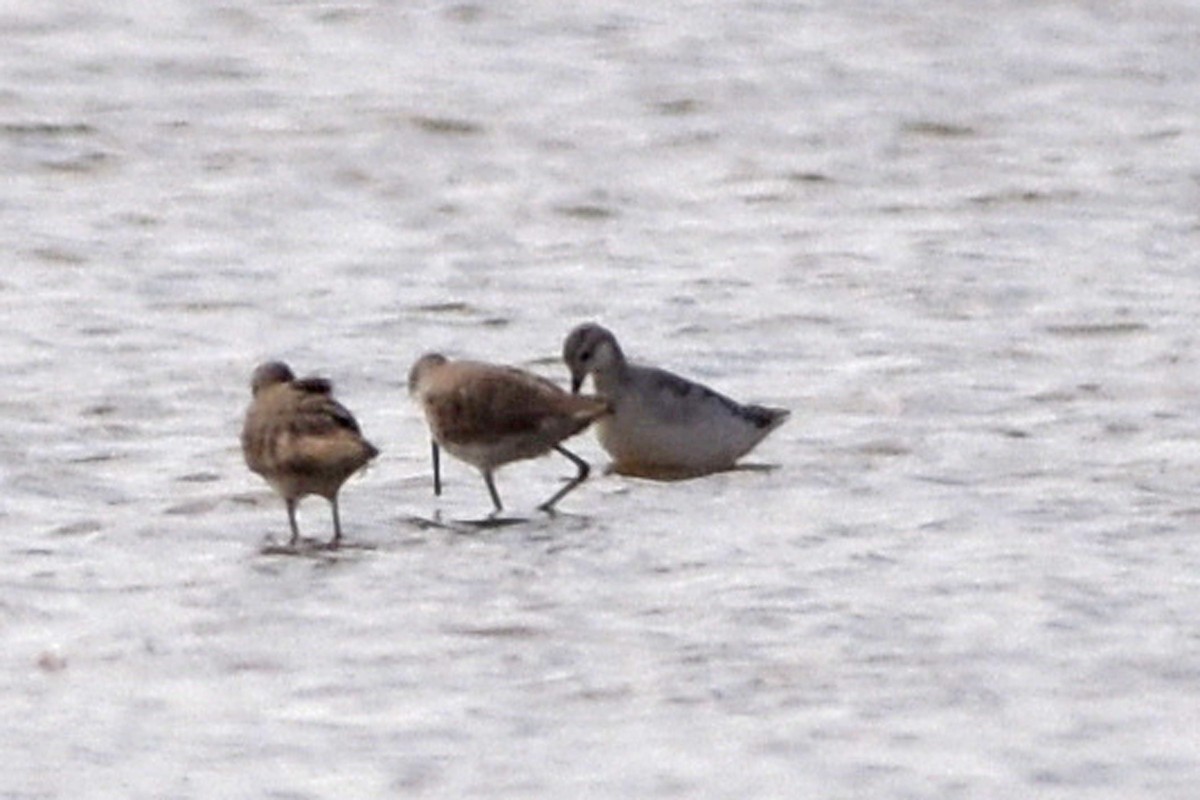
302	440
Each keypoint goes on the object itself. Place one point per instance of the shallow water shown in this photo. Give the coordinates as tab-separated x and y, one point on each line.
957	239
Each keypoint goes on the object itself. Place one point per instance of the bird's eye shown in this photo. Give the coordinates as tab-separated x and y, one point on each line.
585	356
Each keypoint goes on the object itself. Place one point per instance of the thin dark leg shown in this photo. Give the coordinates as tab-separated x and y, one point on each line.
291	509
487	478
337	525
584	470
437	470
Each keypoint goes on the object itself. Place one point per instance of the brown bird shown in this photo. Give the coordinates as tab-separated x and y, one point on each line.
489	415
301	440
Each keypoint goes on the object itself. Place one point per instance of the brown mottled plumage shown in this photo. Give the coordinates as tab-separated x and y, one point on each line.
301	440
489	415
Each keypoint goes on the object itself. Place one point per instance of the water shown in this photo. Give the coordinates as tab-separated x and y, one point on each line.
958	239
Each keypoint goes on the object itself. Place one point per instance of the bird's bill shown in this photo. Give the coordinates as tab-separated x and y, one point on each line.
576	381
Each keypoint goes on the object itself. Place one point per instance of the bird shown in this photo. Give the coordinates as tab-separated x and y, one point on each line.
301	440
662	425
489	415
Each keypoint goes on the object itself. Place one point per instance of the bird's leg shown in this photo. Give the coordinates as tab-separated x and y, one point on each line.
291	511
337	525
584	471
437	470
487	478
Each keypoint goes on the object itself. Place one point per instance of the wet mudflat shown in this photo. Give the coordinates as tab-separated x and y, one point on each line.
957	240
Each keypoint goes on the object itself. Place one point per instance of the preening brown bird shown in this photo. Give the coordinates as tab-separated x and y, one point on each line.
301	440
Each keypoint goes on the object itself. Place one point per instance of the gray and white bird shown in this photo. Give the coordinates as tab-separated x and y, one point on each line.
662	425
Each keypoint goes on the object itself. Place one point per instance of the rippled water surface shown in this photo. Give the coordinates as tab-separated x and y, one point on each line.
958	239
